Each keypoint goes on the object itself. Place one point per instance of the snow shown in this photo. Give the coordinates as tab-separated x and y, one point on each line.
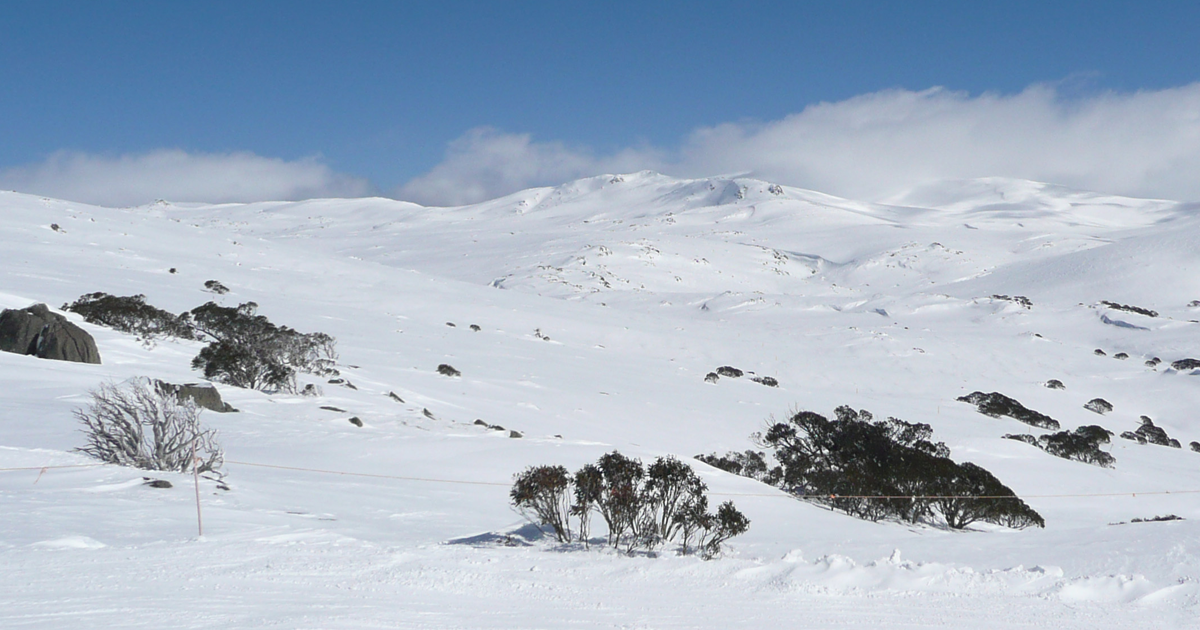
643	284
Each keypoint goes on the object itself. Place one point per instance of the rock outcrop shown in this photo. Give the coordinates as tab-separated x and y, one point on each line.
204	395
37	331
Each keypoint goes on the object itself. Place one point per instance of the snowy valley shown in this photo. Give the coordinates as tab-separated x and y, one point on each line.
583	319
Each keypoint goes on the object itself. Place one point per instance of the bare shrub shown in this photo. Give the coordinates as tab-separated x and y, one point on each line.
136	424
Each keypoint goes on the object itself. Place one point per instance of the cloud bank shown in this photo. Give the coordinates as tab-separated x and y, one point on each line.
176	175
869	147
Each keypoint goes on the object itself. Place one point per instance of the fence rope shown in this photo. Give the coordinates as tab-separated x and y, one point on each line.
778	494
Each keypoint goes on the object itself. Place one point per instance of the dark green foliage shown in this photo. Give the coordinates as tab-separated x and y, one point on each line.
247	350
996	404
1149	433
643	508
1081	445
1130	309
216	287
968	494
130	314
1017	299
541	492
1098	405
752	464
886	469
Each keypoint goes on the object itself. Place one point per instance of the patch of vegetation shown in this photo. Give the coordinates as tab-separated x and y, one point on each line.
1130	309
729	371
1184	365
446	369
711	377
247	350
1098	405
1150	363
213	286
752	464
1081	445
642	507
1016	299
1055	384
996	404
886	469
1121	355
1149	433
1100	353
765	380
130	314
136	424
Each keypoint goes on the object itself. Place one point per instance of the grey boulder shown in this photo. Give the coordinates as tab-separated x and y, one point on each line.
38	332
204	395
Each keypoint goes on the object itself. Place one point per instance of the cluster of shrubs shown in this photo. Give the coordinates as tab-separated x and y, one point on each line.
996	404
1130	309
728	371
878	469
1081	445
1149	433
1016	299
642	507
244	349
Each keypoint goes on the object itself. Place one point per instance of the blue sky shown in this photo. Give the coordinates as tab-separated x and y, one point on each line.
388	97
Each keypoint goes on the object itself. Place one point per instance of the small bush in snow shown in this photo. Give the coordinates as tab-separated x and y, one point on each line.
729	371
996	404
446	369
216	287
1055	384
1081	445
1195	446
136	424
1184	365
642	507
1098	405
1149	433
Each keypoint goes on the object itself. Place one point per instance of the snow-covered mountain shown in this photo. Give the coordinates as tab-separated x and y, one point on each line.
601	305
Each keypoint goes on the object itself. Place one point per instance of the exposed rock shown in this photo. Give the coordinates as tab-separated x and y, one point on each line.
356	422
204	395
394	397
38	332
451	324
427	413
1098	405
157	483
1100	353
1121	355
996	404
448	370
1153	362
475	327
515	434
332	408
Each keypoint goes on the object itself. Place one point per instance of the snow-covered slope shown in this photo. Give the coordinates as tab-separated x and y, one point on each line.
601	304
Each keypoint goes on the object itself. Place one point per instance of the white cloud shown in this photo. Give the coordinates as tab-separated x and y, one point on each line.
485	163
1142	143
176	175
